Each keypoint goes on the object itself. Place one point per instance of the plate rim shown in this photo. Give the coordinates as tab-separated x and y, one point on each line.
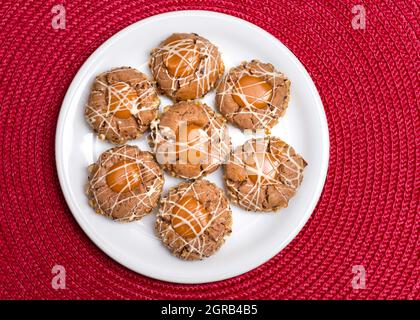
65	108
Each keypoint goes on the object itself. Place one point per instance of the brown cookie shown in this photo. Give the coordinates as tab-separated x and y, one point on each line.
263	174
125	183
186	66
253	95
194	219
189	139
121	105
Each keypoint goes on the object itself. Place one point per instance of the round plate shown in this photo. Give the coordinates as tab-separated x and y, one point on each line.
256	237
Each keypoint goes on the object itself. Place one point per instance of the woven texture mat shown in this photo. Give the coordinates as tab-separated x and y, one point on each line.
368	212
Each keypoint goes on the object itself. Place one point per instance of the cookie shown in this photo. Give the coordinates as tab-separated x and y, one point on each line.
263	174
189	139
186	66
125	183
121	105
253	95
194	219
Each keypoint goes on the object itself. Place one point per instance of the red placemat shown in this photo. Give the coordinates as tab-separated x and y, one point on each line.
367	215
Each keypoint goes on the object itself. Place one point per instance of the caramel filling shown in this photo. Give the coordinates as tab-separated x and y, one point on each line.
122	99
189	217
262	166
190	140
182	60
251	90
123	176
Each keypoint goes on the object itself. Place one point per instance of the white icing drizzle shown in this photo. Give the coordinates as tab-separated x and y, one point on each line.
249	200
263	116
214	148
145	199
142	103
198	243
208	65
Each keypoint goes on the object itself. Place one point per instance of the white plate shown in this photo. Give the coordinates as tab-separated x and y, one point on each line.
255	237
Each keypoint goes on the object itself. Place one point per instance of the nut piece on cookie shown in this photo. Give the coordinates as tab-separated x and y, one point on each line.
121	105
125	183
194	219
190	140
186	66
253	95
263	174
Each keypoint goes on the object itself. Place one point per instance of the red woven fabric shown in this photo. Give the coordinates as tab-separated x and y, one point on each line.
367	215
